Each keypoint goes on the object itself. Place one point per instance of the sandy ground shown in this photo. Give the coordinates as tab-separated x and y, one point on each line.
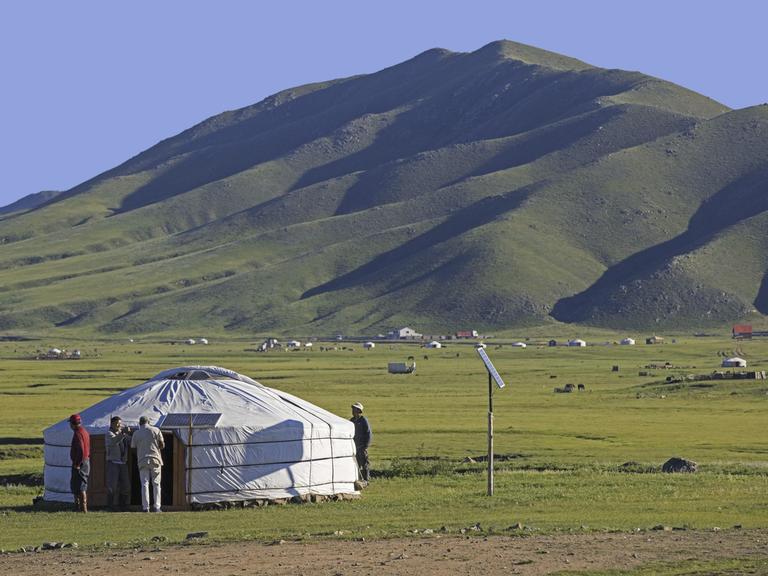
413	556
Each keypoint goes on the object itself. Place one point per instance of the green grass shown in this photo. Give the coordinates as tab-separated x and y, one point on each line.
543	502
564	452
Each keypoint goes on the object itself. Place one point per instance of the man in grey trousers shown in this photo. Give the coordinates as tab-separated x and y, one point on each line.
149	444
117	443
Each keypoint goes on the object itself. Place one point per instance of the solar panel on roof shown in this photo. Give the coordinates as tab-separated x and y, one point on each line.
182	420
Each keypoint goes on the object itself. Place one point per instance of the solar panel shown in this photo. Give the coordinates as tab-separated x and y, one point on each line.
182	420
490	367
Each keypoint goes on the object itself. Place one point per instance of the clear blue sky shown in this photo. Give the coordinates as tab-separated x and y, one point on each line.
87	84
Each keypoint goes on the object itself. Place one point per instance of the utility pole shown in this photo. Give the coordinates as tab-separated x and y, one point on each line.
493	374
490	435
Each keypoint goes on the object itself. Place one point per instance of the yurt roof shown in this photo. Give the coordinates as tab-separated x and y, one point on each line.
241	401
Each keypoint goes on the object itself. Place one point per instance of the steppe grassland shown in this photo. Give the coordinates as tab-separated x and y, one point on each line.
565	450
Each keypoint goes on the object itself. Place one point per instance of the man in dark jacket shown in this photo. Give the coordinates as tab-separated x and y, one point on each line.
117	444
363	436
80	454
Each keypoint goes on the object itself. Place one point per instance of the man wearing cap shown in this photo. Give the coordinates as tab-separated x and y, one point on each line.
363	437
149	442
116	442
80	454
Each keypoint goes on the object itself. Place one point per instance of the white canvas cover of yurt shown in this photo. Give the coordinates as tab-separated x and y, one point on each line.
734	362
246	442
628	342
579	343
434	344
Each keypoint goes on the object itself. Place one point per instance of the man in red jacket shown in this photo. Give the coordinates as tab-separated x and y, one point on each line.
80	454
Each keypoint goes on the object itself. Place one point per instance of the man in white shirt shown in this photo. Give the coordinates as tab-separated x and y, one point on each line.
148	442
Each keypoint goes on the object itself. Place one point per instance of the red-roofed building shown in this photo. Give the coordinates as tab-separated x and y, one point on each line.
742	331
466	334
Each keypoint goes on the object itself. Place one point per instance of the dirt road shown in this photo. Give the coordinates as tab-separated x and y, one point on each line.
427	556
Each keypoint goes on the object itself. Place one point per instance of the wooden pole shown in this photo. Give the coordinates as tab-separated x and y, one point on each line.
189	463
490	435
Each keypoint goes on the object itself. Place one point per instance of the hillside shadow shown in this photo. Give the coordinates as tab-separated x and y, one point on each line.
445	101
275	132
473	216
761	301
477	105
740	200
371	187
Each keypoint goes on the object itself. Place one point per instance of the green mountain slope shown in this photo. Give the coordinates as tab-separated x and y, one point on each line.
496	188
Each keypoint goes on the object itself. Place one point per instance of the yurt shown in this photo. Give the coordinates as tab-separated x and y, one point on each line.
481	345
369	345
577	342
519	345
228	440
434	344
734	362
293	344
628	342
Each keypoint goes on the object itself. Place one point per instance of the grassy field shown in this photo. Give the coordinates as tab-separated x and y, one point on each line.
562	453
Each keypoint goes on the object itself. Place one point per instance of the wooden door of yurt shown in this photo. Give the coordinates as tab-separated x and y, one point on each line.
97	481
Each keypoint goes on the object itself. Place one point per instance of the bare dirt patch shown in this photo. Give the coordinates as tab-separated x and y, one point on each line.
475	555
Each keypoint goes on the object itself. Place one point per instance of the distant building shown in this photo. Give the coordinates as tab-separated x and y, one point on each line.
466	334
404	334
654	340
577	342
434	344
519	345
369	345
628	342
293	344
743	331
552	343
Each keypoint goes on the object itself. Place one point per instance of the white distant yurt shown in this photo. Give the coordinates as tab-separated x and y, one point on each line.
369	345
734	362
519	345
293	344
577	342
228	439
190	341
481	345
628	342
203	340
434	344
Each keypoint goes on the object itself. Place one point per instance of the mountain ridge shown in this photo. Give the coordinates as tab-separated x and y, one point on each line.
501	187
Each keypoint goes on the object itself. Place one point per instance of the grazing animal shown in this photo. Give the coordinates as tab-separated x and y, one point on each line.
582	387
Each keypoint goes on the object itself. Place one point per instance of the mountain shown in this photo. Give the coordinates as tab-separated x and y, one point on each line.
504	187
29	201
